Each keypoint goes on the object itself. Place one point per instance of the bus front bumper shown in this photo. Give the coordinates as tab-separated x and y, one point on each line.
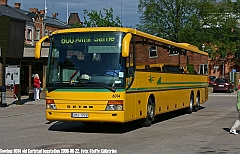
89	116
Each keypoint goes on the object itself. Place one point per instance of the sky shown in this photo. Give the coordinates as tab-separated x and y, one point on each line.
125	9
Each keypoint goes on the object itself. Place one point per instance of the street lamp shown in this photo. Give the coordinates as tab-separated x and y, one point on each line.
121	13
222	56
223	68
203	47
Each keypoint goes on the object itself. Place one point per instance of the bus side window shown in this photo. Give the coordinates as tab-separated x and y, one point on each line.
158	69
181	70
164	69
147	67
155	69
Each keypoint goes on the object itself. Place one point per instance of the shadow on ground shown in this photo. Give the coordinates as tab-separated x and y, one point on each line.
228	130
22	101
110	128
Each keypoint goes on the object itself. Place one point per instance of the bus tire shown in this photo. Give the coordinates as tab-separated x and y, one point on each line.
191	104
197	106
146	122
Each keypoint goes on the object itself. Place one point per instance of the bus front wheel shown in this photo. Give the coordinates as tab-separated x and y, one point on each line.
150	114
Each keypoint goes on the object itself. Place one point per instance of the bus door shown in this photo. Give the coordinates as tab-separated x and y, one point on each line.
130	106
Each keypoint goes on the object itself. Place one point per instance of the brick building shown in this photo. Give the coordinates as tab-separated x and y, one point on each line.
36	25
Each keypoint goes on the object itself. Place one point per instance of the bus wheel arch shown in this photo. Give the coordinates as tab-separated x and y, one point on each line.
150	116
191	103
197	105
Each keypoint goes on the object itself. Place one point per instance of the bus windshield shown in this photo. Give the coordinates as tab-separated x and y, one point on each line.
87	60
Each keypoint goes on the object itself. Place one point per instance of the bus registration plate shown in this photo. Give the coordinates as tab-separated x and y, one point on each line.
79	115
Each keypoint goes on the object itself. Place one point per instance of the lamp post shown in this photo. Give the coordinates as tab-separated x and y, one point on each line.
223	68
203	47
121	13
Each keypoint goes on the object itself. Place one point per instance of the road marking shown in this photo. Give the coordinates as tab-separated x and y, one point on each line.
223	95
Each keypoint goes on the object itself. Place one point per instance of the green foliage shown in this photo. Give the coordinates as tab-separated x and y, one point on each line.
166	18
24	42
193	21
77	25
98	19
190	69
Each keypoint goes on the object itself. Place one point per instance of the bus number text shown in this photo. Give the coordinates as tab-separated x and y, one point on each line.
116	96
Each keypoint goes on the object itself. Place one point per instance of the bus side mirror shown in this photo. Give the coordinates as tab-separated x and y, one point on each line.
39	46
126	44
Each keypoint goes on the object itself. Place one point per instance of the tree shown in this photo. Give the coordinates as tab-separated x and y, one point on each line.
98	19
77	25
236	31
166	18
192	21
219	27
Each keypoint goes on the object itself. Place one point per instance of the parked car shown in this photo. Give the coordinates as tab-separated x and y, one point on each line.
211	80
222	84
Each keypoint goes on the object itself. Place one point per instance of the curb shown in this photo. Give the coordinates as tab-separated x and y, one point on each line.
224	95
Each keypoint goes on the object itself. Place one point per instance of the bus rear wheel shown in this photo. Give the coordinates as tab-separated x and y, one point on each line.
197	106
146	122
191	104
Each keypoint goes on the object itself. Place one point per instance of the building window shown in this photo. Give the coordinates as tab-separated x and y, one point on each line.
29	33
38	34
46	33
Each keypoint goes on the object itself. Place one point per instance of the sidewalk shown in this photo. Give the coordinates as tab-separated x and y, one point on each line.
24	101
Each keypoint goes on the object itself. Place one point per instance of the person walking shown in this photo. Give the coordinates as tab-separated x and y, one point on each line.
37	87
237	122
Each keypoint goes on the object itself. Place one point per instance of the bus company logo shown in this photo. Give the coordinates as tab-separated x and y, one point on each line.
150	78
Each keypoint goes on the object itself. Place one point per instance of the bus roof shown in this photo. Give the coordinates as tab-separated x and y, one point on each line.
185	46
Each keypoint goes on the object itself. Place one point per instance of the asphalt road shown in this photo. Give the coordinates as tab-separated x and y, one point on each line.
206	131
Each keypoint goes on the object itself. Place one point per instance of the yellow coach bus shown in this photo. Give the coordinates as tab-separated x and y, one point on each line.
113	74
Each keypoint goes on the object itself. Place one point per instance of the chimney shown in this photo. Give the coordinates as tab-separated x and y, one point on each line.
17	5
42	12
73	19
34	10
3	2
54	15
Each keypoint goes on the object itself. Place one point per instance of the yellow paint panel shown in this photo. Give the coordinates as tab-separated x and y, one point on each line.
99	116
79	95
129	107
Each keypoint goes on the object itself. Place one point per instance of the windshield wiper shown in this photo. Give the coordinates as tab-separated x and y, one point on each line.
109	88
73	75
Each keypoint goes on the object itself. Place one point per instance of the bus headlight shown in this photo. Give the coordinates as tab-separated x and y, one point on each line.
115	105
50	104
